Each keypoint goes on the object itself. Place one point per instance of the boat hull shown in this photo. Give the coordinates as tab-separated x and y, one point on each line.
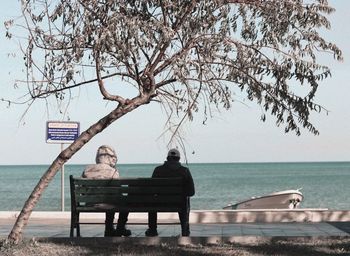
288	199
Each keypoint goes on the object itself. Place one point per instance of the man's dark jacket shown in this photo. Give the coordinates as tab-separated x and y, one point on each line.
175	169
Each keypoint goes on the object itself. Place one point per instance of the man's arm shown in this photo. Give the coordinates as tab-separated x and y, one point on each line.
155	173
190	191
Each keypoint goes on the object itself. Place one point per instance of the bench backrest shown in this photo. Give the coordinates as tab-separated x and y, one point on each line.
128	194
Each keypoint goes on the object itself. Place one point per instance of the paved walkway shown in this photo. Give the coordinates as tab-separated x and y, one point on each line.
60	228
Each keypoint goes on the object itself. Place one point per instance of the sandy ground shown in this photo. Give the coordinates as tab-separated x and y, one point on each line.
330	246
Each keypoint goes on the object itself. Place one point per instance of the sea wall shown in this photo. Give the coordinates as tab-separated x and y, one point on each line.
210	216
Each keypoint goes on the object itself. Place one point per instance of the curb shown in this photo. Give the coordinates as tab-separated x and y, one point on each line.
213	216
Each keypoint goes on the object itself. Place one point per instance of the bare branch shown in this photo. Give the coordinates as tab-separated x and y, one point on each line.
103	90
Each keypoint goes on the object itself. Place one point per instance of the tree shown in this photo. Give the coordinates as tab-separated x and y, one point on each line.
186	55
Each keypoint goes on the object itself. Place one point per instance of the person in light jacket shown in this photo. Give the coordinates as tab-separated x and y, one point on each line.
105	168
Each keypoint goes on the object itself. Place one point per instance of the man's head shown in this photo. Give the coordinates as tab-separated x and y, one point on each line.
106	155
173	155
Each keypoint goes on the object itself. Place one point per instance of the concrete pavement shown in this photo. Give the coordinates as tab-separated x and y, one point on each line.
203	224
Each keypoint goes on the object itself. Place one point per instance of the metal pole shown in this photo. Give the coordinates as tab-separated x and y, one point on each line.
62	184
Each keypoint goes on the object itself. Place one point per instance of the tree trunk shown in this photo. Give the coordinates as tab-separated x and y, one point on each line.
22	220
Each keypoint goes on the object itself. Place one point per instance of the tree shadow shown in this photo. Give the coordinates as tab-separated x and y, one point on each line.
326	246
335	246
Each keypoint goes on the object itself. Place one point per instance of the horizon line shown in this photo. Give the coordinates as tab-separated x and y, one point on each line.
261	162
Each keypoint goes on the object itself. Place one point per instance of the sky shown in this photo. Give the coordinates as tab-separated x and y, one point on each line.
236	135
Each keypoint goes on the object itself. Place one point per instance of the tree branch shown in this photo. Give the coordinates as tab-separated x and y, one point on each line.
103	90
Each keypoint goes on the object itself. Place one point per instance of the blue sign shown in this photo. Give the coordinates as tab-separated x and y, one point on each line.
62	132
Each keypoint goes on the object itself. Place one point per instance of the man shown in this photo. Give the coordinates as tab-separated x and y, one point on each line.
106	160
173	168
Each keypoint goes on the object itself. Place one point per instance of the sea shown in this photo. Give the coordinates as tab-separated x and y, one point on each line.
323	184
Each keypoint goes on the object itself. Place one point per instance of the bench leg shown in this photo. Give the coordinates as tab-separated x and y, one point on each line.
78	225
71	229
78	230
74	224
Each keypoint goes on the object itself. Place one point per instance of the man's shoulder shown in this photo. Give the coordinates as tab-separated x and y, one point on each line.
161	166
158	168
182	167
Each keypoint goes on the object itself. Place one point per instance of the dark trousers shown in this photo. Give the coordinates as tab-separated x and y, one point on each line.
123	218
184	217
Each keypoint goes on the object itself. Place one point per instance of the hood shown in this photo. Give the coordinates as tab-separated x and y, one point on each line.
106	155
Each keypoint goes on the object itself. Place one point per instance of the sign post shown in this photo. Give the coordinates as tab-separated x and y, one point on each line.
62	184
58	132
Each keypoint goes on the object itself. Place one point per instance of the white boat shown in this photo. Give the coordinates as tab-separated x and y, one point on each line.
286	199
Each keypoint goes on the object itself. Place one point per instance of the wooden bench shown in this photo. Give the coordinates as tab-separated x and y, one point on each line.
124	195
